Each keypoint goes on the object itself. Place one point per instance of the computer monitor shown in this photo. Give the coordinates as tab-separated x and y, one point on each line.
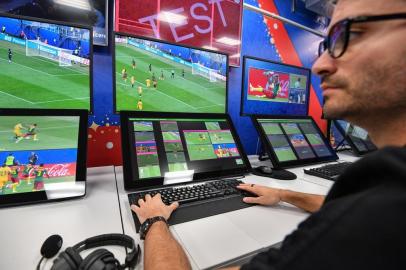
271	88
44	64
168	148
355	136
42	155
293	141
90	12
153	75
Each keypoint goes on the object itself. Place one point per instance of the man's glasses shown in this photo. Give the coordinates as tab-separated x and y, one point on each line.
338	37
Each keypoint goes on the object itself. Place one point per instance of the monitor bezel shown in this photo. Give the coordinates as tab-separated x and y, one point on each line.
114	34
81	168
292	163
349	140
244	65
62	23
128	162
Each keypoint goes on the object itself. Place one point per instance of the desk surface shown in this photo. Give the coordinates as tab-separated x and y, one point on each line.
234	235
24	228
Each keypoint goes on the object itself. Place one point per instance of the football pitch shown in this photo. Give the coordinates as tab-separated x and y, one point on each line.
36	82
52	133
193	93
25	187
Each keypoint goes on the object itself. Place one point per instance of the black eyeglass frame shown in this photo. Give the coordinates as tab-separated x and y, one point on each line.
326	43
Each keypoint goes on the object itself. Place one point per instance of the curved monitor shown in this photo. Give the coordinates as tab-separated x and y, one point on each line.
152	75
271	88
44	64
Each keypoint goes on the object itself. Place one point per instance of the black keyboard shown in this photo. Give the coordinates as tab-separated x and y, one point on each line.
197	200
330	171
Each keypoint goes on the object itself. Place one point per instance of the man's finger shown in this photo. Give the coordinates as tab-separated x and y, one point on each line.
251	199
135	208
140	202
174	205
148	197
245	187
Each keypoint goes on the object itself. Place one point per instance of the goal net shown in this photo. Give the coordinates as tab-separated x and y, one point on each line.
198	69
38	48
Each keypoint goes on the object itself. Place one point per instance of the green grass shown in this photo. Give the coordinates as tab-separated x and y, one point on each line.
171	136
167	126
291	129
285	154
36	82
193	93
271	128
146	160
173	146
221	137
144	136
52	133
176	167
201	152
143	126
25	187
213	126
149	171
197	138
285	100
175	157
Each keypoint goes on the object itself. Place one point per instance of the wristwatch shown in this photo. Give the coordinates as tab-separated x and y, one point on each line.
148	223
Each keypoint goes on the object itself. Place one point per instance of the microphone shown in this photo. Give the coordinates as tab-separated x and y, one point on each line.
50	247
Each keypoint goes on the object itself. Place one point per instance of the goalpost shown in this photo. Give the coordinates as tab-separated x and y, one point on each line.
38	48
210	74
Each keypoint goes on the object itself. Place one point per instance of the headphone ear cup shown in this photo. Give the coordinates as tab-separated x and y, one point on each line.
99	259
67	260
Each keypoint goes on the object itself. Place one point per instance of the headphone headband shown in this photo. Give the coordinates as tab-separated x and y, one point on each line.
115	239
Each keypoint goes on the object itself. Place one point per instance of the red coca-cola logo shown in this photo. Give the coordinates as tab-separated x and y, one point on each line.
60	170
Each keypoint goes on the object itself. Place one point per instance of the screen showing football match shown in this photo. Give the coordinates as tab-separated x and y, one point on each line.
84	12
155	76
358	136
296	139
44	65
37	152
274	89
163	146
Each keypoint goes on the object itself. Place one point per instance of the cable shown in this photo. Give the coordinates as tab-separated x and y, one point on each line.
39	263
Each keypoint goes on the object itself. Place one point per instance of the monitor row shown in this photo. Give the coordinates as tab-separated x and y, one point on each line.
49	65
43	152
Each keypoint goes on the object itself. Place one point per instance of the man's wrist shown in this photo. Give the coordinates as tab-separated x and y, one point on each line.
149	223
282	195
157	227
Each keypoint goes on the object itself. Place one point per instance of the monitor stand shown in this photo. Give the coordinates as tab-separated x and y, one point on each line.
268	171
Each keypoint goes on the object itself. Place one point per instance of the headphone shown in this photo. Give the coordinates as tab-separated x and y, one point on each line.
100	259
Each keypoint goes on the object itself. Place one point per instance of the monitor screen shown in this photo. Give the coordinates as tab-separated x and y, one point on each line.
87	12
294	141
356	137
44	65
271	88
157	76
168	146
40	155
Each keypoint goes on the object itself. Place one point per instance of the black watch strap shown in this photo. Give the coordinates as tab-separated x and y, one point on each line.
147	225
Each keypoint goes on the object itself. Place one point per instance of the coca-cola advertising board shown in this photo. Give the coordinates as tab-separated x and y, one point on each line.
210	24
61	169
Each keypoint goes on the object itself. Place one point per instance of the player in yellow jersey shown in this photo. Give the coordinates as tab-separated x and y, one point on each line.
139	91
18	135
148	82
139	105
132	81
4	175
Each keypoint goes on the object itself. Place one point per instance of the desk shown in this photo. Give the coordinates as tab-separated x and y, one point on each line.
24	228
219	240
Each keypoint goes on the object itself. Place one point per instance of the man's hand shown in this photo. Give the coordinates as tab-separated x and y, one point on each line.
266	195
152	207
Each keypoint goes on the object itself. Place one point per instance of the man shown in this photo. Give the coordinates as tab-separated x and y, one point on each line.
361	222
148	82
32	132
39	173
183	73
10	55
150	68
140	91
133	63
18	135
4	175
132	80
139	105
28	171
10	160
173	74
33	158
